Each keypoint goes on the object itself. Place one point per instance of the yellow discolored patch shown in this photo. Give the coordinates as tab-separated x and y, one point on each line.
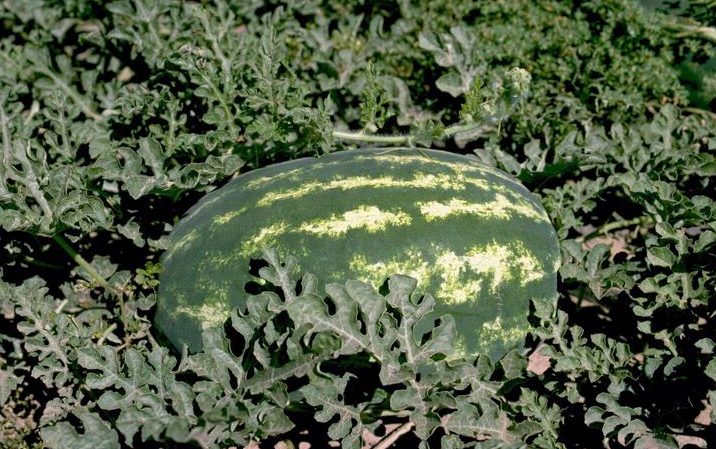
457	167
557	264
459	347
495	331
260	182
455	274
419	180
480	183
500	262
264	238
501	207
530	268
213	260
208	314
370	218
181	243
412	264
452	271
227	217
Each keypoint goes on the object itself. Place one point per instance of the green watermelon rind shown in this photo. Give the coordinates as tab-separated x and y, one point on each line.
473	237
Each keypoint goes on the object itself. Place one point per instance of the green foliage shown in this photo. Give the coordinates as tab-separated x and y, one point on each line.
116	116
241	394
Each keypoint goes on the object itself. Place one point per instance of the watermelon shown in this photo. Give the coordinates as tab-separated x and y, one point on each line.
473	237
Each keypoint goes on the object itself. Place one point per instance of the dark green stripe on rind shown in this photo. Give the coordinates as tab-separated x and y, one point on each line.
475	238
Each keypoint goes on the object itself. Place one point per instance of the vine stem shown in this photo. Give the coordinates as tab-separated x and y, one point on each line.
406	138
457	129
692	28
612	226
93	273
106	333
393	436
74	95
371	138
711	115
79	260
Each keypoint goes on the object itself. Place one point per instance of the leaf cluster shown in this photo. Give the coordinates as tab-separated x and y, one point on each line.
351	356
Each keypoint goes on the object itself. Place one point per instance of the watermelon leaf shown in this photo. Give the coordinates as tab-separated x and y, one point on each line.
326	393
97	435
141	386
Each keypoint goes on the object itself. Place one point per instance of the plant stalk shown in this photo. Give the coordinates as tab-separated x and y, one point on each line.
93	273
372	138
79	260
612	226
405	138
393	436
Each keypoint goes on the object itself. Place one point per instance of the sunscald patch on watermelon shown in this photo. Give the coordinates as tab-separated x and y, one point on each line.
370	218
472	236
